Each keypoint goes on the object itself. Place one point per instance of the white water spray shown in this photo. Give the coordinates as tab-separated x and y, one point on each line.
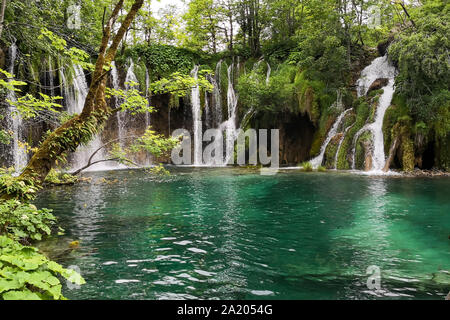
229	126
197	120
15	123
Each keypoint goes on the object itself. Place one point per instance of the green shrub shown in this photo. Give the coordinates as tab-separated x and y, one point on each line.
60	178
24	221
306	167
321	169
25	274
16	187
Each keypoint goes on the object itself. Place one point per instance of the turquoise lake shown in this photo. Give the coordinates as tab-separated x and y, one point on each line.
234	234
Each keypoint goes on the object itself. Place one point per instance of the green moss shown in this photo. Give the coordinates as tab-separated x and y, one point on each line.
407	154
360	152
311	96
316	144
330	153
375	93
60	178
442	147
361	115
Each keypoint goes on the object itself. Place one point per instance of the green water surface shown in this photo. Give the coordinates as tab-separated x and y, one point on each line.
234	234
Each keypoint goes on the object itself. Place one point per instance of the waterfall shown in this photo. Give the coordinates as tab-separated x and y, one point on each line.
230	125
116	86
379	158
197	120
217	95
317	161
115	79
51	77
15	123
148	95
379	68
208	116
122	116
130	77
75	95
269	71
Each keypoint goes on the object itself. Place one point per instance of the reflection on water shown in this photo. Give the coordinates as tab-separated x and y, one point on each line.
233	234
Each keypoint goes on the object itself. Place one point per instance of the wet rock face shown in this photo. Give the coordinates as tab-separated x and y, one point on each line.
383	46
296	134
378	84
368	154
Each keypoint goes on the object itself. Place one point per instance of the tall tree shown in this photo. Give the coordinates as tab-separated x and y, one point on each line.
202	19
2	16
96	111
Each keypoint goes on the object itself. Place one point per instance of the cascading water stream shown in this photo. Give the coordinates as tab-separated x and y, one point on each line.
148	95
269	71
379	68
217	111
15	122
229	126
116	85
51	77
122	116
75	96
317	161
197	120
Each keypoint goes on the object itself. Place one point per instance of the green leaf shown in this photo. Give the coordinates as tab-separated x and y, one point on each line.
21	295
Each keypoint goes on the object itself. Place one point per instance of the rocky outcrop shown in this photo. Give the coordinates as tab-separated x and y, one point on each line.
368	153
383	46
378	84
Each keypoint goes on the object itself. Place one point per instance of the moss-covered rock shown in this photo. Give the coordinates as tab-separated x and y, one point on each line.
330	152
363	151
407	150
443	153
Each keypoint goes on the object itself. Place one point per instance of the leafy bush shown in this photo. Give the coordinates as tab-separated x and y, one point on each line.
59	178
163	60
421	55
24	221
25	274
306	167
321	169
276	95
16	187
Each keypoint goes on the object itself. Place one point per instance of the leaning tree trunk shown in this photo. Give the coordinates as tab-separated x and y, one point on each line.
96	111
2	16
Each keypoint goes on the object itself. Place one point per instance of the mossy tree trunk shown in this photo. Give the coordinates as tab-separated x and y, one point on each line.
82	128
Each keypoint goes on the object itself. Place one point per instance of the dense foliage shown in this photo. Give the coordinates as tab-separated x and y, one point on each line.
423	84
25	274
